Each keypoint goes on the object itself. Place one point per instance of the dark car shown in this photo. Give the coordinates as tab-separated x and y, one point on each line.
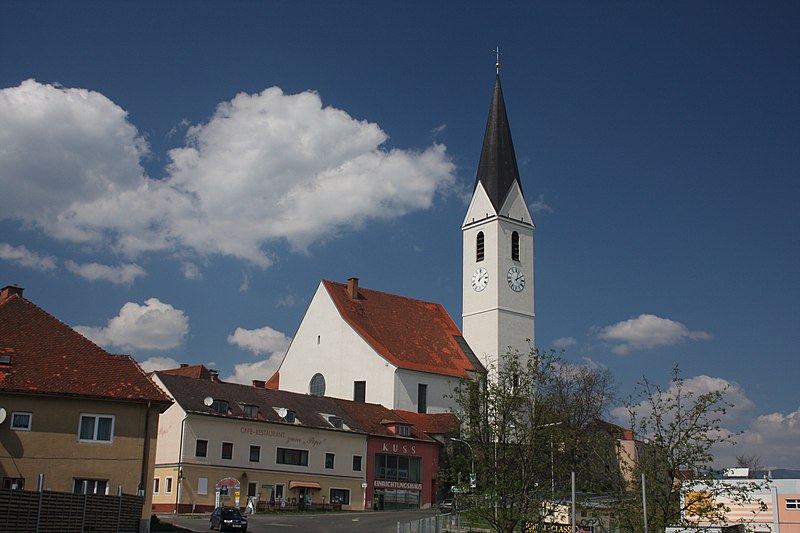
228	519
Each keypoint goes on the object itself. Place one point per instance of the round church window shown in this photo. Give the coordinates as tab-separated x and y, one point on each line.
317	385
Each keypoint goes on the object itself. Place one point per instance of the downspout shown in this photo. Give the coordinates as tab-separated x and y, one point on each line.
180	465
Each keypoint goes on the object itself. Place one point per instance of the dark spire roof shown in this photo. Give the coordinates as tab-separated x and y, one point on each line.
497	169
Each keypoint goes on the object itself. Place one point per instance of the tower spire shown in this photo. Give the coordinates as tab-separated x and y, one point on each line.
497	169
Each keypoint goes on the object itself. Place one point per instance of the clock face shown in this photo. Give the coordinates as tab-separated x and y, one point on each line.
516	279
480	279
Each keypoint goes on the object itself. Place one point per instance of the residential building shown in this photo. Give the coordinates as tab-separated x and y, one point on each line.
83	419
226	443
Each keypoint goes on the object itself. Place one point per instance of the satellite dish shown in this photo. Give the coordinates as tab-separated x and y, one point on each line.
3	415
208	401
282	412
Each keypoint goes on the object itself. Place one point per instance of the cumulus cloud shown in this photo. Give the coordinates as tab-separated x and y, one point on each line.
646	332
191	271
266	167
773	437
564	342
159	363
258	341
152	326
26	258
245	373
540	206
122	274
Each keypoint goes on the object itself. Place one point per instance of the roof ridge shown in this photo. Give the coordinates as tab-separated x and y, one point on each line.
393	295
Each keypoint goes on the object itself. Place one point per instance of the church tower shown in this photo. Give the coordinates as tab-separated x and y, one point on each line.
498	230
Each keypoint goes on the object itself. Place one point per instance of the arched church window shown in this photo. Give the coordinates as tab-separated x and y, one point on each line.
317	385
479	247
515	246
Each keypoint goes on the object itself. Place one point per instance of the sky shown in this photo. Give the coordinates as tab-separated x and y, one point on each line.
177	177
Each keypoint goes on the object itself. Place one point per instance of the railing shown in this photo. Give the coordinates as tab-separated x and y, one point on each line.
433	524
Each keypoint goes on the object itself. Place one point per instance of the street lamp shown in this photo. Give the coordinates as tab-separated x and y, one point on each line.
471	458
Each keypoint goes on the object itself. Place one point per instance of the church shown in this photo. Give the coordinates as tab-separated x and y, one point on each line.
369	346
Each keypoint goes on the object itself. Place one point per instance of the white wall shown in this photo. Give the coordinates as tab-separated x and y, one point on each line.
439	388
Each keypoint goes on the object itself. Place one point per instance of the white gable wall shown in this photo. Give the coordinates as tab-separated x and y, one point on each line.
325	343
439	389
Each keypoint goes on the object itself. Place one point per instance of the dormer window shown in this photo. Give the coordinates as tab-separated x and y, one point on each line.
5	359
220	406
287	415
250	411
403	430
336	422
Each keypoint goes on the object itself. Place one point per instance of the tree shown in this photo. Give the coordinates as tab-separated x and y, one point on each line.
681	485
751	462
520	429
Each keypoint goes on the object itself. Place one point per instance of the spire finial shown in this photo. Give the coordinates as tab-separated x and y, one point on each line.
497	61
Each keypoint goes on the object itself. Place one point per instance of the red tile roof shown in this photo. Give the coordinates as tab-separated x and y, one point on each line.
193	371
411	334
432	423
49	357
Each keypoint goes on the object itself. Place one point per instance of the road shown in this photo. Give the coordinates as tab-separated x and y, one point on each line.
369	522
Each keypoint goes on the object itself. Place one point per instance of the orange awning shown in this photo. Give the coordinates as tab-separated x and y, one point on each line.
304	485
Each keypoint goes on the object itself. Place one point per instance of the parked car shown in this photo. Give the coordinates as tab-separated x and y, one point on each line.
228	519
447	506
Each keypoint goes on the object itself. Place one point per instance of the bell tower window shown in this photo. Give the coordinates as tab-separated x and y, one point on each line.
515	246
479	247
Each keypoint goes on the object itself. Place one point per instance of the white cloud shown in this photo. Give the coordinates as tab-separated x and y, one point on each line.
266	167
773	438
122	274
646	332
258	341
159	363
191	271
152	326
540	206
26	258
564	342
245	373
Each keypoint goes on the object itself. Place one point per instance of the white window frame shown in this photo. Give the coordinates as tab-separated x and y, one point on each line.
96	417
21	428
202	486
156	485
167	485
793	504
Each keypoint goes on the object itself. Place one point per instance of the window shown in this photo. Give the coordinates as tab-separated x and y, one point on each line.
357	463
21	421
793	503
403	430
220	406
202	486
287	456
515	246
227	450
250	411
279	491
15	483
360	391
336	422
201	448
398	467
329	458
156	485
255	454
96	486
252	489
340	496
96	428
167	485
317	385
479	247
5	359
422	398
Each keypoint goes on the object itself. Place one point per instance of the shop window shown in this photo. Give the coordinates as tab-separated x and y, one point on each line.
255	454
21	421
96	428
329	458
227	450
288	456
201	448
398	468
340	496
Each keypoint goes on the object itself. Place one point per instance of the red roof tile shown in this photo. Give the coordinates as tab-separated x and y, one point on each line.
49	357
193	371
432	423
411	334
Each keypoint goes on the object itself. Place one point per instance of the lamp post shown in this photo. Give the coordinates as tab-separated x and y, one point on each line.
471	457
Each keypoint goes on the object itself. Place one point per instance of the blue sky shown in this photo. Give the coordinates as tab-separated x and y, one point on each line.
177	177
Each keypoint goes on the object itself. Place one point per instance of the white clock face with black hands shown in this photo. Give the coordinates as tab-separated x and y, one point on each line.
516	279
480	279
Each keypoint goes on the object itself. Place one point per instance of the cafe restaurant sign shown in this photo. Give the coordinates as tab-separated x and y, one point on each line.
406	485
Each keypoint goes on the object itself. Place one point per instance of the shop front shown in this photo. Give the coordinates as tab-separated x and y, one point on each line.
401	473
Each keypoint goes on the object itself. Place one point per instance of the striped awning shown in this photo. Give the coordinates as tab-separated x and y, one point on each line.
304	485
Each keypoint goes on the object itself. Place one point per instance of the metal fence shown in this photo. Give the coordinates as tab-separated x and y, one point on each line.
24	511
443	523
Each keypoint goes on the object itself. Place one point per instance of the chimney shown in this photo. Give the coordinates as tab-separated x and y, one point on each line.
214	375
184	365
10	290
259	384
352	288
